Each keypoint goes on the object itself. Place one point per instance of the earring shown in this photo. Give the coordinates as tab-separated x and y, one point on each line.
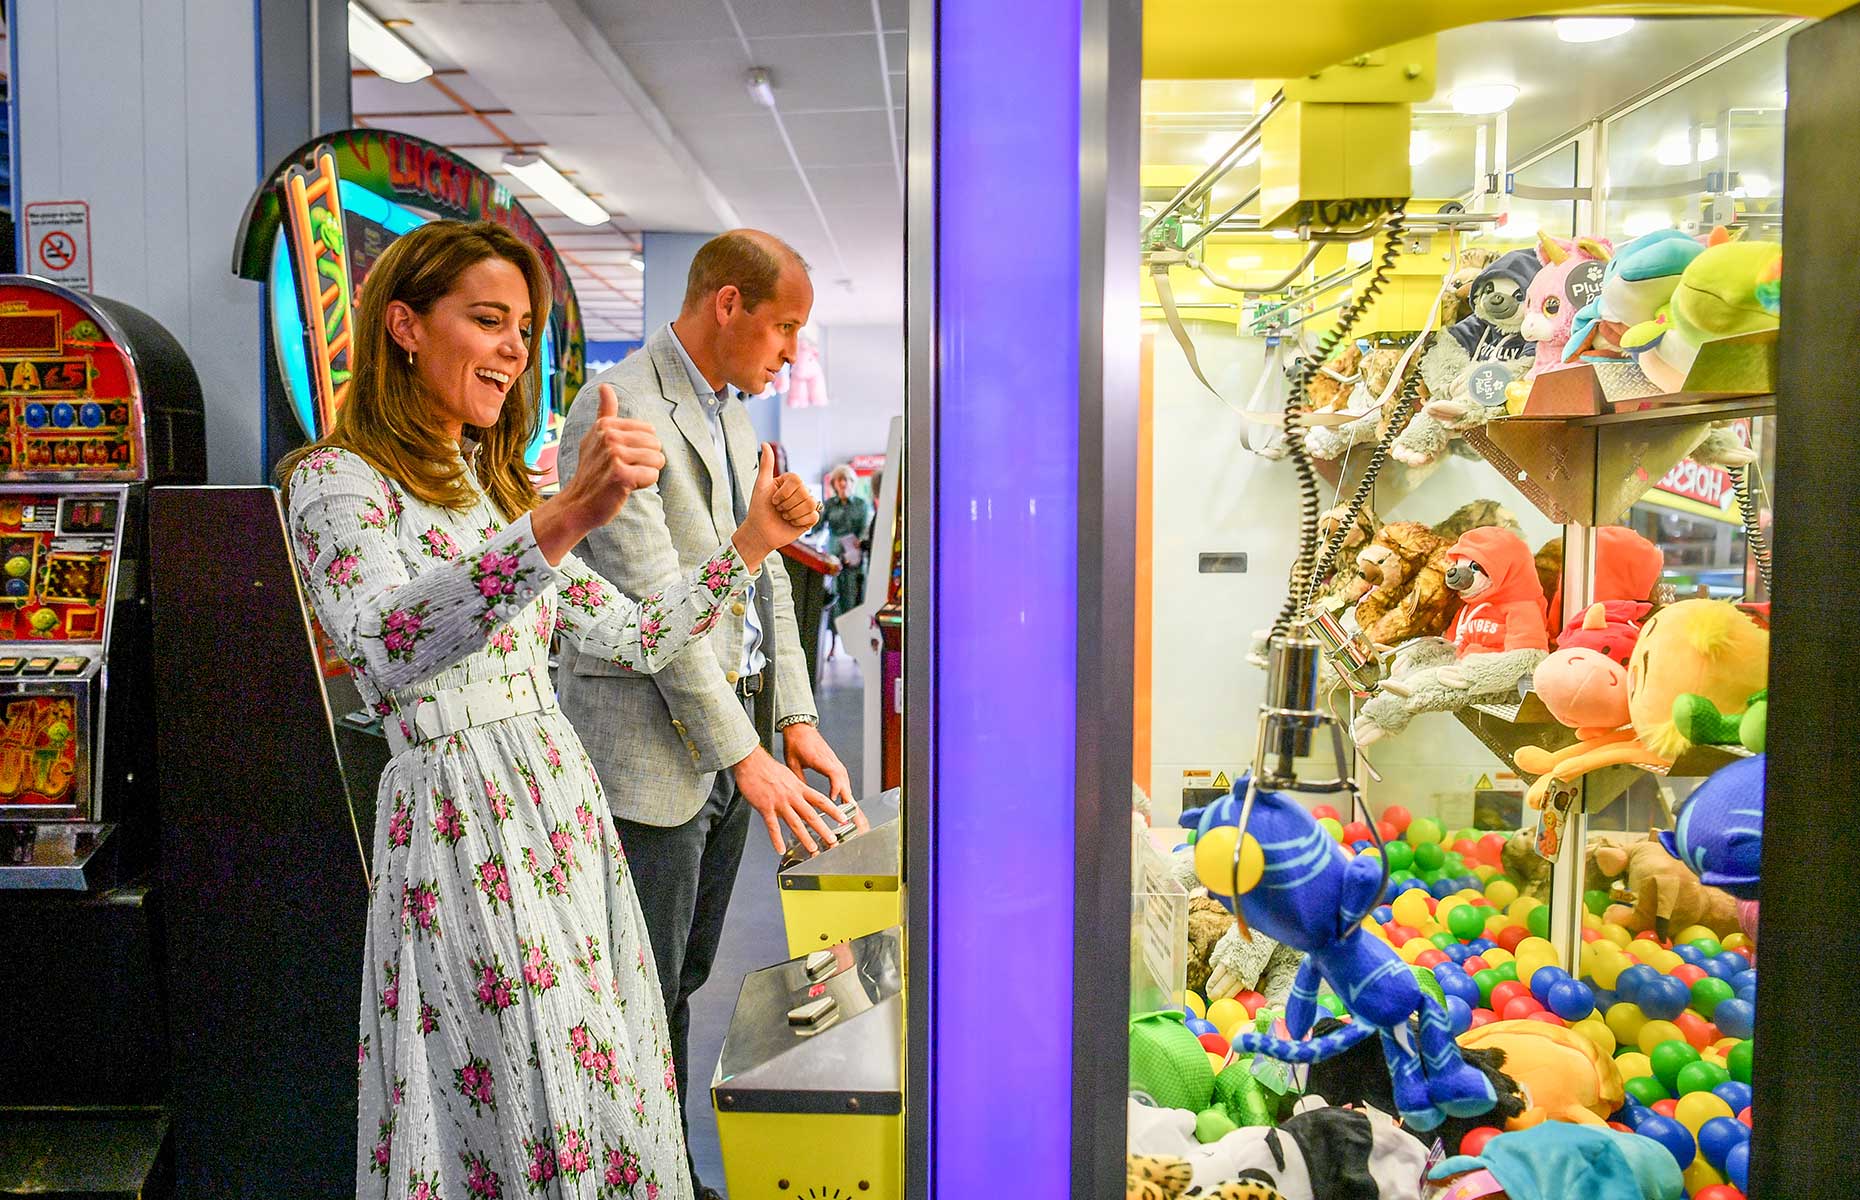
410	358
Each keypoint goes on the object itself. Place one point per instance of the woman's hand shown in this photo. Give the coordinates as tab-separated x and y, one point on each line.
780	510
618	456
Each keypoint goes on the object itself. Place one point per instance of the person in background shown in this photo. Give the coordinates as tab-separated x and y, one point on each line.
847	518
513	1039
685	756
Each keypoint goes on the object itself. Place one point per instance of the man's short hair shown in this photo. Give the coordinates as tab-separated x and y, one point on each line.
740	258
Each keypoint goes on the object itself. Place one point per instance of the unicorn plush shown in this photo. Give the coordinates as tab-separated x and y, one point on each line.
1550	309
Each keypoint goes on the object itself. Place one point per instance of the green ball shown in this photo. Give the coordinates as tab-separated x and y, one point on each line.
1400	876
1332	826
1332	1005
1596	901
1710	947
1669	1058
1467	922
1213	1124
1424	831
1429	856
1400	855
1508	971
1487	980
1701	1077
1741	1057
1455	863
1538	921
1428	876
1443	939
1708	993
1646	1089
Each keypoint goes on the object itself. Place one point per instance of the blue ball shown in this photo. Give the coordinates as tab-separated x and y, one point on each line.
1748	991
1459	952
1717	970
1457	984
1362	844
1737	1165
1690	953
1663	997
1545	978
1747	975
1632	1113
1718	1137
1632	980
1566	998
1604	998
1735	1094
1669	1133
1197	1026
1459	1015
1733	962
1442	888
1480	945
1735	1017
1467	881
1384	914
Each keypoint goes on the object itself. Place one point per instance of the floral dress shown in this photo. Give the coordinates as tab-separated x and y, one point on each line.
513	1041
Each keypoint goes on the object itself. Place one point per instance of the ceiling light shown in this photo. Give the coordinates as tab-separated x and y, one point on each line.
1646	221
1754	186
1285	235
1676	151
550	184
381	51
1250	157
1520	227
637	262
1420	145
1592	29
761	88
1358	253
1484	99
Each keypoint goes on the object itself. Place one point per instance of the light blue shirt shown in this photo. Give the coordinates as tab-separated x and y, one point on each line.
713	400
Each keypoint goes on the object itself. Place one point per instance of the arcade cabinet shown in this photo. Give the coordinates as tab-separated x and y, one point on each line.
97	402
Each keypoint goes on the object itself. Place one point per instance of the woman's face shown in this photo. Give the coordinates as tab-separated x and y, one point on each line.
842	486
473	345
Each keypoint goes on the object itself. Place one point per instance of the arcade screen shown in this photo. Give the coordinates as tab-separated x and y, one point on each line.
55	559
67	393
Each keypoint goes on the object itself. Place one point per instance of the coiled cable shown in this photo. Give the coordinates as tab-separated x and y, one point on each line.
1753	528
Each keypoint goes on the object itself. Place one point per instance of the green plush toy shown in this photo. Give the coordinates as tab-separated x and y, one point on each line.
1733	288
1699	721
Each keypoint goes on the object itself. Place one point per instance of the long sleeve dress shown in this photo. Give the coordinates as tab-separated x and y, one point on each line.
513	1041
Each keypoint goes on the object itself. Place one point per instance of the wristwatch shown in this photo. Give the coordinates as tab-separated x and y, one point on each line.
796	719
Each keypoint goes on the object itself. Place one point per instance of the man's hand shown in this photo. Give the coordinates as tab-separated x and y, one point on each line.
783	799
806	750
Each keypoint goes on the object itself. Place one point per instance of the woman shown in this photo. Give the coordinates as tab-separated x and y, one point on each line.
512	1036
846	518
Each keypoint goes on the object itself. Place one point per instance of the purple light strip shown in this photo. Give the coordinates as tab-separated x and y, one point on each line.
1006	584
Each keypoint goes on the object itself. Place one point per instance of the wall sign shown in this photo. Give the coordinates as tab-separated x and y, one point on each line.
58	242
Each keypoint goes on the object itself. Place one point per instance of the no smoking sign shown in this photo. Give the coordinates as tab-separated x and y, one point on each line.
58	242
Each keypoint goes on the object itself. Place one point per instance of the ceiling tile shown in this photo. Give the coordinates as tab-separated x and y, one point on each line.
826	72
787	18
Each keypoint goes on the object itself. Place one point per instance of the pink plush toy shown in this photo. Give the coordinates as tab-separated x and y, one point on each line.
1549	308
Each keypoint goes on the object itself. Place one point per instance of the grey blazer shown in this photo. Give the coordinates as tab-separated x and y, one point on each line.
658	740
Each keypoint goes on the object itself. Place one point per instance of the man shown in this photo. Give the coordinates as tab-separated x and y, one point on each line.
683	755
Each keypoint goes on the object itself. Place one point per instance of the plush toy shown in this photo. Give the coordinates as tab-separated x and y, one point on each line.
1564	1077
1404	576
1295	883
1531	870
1251	963
1496	639
1477	514
1636	284
1732	288
1359	1078
1468	265
1208	921
1373	415
1318	1153
1336	381
1700	722
1549	309
1155	1176
1662	893
1719	833
1344	585
1627	567
1491	335
1554	1161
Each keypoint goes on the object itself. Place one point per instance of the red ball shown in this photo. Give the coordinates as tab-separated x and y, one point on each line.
1480	902
1400	935
1386	831
1510	936
1466	848
1474	965
1398	817
1485	1016
1666	1107
1430	959
1646	935
1252	1001
1743	1116
1718	1191
1590	935
1618	1125
1687	974
1548	1018
1749	954
1322	811
1699	1032
1522	1007
1214	1043
1355	832
1504	993
1492	849
1473	1140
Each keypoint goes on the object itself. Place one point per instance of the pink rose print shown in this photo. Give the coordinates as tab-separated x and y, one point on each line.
420	1186
384	1148
474	1083
495	576
419	906
493	879
400	825
374	516
542	1163
622	1170
545	624
705	623
361	1051
448	821
495	990
671	1079
392	497
586	594
574	1153
594	1057
399	1093
652	1189
586	965
390	993
437	543
590	824
502	643
539	970
529	782
429	1018
321	461
341	573
480	1180
651	629
717	574
402	630
552	754
308	544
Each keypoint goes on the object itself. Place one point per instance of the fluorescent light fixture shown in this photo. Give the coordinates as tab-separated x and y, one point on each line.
637	262
1755	186
550	184
1646	221
761	87
1484	98
1676	150
382	51
1285	235
1217	144
1420	145
1519	227
1359	253
1592	29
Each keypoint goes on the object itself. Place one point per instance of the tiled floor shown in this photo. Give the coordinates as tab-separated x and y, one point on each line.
753	937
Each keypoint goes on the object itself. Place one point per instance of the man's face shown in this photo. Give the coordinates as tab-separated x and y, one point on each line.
754	344
842	486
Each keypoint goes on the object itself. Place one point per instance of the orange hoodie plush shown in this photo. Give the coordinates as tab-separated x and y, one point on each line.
1627	567
1496	577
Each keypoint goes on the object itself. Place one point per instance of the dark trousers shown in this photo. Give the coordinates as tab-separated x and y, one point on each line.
684	875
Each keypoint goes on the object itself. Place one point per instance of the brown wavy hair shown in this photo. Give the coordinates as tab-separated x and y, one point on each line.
389	416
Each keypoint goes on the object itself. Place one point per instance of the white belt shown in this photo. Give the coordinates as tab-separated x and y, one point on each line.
459	708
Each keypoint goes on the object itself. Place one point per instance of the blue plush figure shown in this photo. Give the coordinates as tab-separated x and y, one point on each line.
1719	833
1295	884
1638	280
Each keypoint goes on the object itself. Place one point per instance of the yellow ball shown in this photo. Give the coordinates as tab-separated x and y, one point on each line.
1665	961
1644	950
1413	948
1626	1021
1693	933
1735	941
1590	921
1608	967
1195	1004
1410	908
1496	925
1655	1032
1700	1176
1497	956
1227	1015
1521	908
1726	1045
1597	1031
1217	1061
1428	928
1715	1057
1633	1064
1616	934
1456	900
1501	892
1214	862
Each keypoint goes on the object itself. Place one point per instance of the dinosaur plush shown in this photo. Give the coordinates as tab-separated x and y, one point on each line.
1563	1075
1477	514
1208	921
1549	307
1662	893
1345	585
1732	288
1296	884
1627	567
1555	1161
1336	381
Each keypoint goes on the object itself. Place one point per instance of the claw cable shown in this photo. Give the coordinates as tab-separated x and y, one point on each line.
1753	528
